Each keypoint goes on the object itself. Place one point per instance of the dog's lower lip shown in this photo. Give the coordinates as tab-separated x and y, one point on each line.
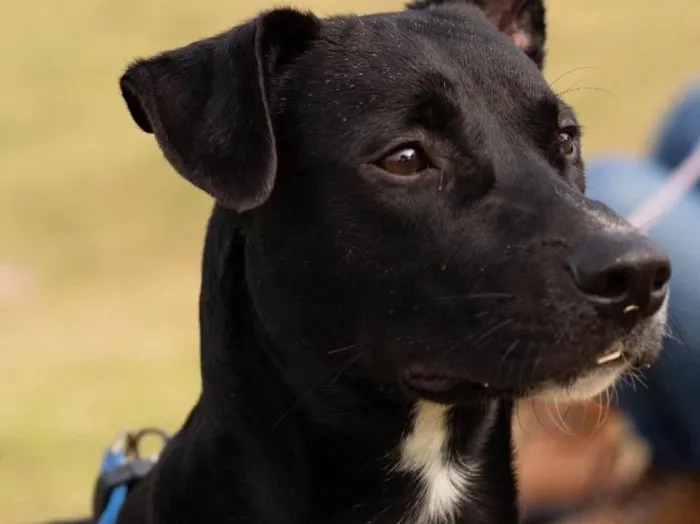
446	389
432	383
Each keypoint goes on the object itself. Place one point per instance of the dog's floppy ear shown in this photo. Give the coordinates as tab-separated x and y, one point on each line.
522	20
208	104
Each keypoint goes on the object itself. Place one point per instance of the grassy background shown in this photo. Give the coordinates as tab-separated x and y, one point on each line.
100	241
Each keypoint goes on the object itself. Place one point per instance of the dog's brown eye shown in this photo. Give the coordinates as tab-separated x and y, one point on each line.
567	145
405	161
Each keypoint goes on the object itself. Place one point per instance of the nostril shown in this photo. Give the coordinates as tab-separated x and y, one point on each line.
661	278
614	284
607	285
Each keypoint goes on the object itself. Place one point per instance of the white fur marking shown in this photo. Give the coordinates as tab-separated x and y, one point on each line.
424	452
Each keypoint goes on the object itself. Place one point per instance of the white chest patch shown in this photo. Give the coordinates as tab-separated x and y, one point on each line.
445	482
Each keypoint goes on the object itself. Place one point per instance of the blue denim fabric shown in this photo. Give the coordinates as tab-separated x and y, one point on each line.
667	411
680	132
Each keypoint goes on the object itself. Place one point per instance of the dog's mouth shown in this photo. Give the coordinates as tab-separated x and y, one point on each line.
421	382
445	388
593	381
597	379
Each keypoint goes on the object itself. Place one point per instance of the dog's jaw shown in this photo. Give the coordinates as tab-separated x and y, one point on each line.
584	388
598	381
445	481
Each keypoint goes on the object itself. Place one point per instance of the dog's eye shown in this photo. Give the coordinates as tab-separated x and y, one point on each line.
405	161
568	145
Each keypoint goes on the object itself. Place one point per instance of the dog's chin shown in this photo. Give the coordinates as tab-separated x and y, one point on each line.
593	381
602	374
587	386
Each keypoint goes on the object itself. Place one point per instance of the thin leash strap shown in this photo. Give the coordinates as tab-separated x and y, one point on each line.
682	181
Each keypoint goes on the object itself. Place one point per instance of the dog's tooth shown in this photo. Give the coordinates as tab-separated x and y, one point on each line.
610	357
630	309
486	384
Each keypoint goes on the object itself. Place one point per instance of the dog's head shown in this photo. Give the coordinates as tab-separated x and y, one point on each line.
411	191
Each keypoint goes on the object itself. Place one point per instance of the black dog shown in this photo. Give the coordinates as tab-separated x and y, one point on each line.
400	248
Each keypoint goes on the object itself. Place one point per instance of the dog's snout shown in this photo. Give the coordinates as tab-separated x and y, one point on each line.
625	276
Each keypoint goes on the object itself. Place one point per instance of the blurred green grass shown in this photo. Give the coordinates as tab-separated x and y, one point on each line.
107	239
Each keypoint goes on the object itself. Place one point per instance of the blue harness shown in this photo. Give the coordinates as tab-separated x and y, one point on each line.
121	469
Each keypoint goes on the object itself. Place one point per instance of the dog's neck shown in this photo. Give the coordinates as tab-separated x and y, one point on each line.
385	462
447	462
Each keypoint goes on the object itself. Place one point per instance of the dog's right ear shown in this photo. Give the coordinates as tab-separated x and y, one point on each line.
523	21
208	104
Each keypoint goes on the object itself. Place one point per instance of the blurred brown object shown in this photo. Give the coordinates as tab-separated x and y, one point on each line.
657	500
570	453
587	456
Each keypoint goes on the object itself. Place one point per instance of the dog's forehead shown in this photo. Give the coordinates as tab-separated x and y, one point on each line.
365	75
380	62
394	47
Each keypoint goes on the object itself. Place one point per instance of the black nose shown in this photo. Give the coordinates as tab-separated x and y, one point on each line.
624	275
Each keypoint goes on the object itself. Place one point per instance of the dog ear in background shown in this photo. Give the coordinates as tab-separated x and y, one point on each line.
208	104
523	21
